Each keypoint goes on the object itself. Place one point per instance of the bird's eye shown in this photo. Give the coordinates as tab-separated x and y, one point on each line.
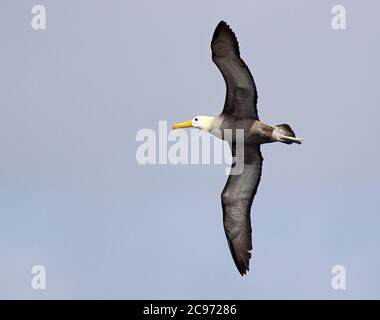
196	119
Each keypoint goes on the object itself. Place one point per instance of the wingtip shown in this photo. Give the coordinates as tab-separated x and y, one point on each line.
222	22
222	25
242	264
243	272
224	29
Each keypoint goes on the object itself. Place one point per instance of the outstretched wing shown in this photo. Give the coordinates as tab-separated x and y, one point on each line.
237	197
241	96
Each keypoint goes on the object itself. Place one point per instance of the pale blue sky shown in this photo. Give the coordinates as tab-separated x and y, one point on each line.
73	198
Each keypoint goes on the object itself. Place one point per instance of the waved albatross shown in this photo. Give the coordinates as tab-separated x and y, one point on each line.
239	112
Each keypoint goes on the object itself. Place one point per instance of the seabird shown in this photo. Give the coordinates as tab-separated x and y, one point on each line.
239	112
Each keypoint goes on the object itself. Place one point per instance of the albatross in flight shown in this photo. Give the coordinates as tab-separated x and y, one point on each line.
239	112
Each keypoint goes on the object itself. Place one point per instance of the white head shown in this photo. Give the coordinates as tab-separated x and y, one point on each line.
201	122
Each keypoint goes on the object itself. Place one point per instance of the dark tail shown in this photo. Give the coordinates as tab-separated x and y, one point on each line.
286	130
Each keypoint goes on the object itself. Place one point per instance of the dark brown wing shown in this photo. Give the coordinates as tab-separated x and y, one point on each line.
241	96
237	197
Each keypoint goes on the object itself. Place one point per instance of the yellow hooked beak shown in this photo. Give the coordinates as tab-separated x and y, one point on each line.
185	124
